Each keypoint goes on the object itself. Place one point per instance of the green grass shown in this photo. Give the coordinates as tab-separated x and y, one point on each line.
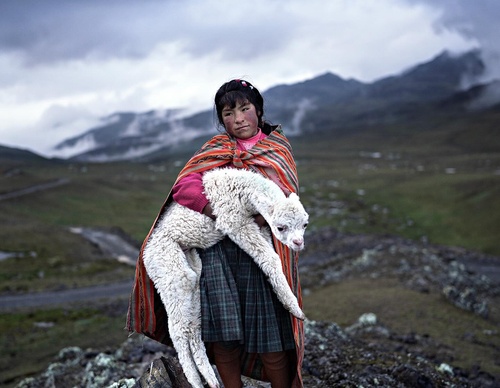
406	191
126	195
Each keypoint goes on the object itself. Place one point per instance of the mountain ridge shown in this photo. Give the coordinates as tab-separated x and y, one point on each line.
325	103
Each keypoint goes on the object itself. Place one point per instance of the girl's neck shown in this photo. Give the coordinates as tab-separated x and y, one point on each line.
250	142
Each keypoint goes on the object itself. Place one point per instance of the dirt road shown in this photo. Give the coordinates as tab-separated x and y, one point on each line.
34	189
9	303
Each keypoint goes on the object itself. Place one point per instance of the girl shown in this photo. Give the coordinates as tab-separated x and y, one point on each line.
245	328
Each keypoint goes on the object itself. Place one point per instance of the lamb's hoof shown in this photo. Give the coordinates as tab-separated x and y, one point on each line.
212	382
299	314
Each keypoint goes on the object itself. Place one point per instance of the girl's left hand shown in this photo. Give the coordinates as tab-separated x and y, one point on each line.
259	220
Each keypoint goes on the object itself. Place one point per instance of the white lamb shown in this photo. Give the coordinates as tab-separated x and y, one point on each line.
174	266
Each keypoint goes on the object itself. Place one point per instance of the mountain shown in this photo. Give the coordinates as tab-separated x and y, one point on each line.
327	103
125	136
430	81
416	92
15	157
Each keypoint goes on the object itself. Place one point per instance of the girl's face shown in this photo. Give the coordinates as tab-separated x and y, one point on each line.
242	121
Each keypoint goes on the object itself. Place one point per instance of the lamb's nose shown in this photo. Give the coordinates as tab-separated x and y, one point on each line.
298	241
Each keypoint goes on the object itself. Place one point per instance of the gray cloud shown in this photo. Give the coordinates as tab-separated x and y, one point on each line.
475	20
52	31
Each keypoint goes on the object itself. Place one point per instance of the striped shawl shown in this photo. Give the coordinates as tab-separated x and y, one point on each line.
271	157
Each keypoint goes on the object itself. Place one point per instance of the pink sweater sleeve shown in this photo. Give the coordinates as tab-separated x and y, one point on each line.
189	192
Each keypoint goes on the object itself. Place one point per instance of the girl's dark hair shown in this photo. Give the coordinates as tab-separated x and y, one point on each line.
238	91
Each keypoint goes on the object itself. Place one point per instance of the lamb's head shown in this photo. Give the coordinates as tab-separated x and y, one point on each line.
289	221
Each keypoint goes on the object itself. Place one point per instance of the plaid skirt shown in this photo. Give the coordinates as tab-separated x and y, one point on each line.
238	303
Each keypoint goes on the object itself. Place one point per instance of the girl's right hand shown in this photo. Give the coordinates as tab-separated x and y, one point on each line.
207	210
259	220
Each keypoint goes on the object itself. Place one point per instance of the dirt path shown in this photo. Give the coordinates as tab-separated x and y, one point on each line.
34	189
64	297
113	244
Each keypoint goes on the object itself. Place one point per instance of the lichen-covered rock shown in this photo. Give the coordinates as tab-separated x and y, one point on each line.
75	367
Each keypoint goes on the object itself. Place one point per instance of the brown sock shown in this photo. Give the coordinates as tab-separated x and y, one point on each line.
227	359
277	368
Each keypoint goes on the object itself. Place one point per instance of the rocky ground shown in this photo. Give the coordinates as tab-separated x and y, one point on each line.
366	354
467	279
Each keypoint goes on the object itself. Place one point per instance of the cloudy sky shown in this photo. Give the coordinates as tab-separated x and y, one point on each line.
64	64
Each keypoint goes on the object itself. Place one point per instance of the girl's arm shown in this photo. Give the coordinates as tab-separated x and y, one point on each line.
188	192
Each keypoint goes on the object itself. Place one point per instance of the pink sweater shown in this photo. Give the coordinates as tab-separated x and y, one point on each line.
189	190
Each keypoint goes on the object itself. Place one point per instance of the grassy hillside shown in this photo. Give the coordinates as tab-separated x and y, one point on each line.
436	177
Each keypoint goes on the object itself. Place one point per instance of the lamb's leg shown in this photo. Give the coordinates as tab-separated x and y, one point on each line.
180	332
177	283
249	238
198	350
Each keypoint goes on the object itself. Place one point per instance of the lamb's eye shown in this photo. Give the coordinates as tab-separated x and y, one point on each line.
305	225
281	228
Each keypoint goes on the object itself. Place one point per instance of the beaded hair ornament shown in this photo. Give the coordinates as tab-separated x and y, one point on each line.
244	83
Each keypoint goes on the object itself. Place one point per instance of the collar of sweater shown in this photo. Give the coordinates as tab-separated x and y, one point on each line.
246	144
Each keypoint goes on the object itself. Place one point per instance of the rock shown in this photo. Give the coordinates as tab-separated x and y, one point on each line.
164	372
410	377
467	299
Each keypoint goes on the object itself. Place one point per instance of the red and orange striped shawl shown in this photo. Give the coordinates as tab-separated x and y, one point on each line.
271	157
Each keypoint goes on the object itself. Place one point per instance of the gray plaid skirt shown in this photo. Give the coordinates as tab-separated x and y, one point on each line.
238	303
